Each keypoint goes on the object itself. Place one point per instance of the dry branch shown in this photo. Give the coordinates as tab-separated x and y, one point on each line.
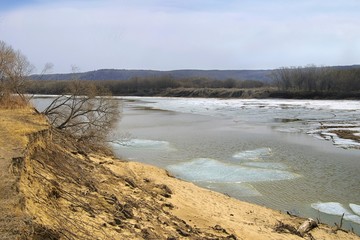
306	226
86	113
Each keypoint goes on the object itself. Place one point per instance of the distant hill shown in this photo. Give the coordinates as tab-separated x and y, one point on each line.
123	74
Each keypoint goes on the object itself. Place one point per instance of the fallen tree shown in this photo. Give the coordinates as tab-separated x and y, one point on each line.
86	112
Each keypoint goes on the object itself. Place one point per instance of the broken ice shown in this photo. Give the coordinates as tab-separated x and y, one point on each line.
335	208
211	170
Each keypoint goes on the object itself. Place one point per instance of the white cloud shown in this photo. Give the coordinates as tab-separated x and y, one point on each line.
185	34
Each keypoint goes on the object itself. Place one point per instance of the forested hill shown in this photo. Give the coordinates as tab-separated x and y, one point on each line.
116	74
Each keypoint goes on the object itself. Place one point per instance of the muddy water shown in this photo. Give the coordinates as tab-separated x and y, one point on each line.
248	153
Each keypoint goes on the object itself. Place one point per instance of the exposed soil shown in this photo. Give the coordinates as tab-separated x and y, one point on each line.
15	127
347	134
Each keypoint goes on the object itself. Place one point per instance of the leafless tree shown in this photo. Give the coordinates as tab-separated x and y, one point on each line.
86	113
14	70
47	68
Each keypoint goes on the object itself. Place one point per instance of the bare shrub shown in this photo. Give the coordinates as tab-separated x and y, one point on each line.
14	70
87	113
12	102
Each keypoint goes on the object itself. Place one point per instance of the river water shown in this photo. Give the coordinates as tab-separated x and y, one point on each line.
282	154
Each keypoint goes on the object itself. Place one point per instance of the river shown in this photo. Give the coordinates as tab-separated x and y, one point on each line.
282	154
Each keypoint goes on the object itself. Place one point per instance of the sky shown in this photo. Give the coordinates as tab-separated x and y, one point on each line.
182	34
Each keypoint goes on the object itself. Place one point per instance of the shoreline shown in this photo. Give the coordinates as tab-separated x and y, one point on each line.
66	191
266	92
256	93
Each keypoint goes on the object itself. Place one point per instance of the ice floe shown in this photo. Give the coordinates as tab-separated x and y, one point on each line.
355	208
329	134
335	208
255	158
234	176
302	115
208	106
255	154
332	208
211	170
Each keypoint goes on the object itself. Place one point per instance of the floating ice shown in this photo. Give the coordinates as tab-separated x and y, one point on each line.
255	154
335	208
337	141
330	135
355	208
143	143
331	113
345	143
353	218
266	165
211	170
322	108
332	208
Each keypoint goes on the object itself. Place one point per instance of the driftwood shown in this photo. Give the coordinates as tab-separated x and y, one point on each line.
306	226
339	227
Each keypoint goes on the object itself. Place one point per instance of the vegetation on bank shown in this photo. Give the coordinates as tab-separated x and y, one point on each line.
144	86
317	79
264	91
83	111
14	68
310	82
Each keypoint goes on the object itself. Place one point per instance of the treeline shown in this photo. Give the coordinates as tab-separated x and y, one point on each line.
317	79
141	86
288	82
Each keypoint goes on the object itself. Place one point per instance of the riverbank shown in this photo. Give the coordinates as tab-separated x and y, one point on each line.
257	93
59	189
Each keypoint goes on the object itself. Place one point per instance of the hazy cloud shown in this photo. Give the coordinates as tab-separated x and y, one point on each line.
203	34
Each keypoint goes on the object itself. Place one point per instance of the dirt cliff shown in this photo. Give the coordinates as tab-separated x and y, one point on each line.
54	188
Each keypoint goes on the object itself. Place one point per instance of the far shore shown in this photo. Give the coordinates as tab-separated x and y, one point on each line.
232	93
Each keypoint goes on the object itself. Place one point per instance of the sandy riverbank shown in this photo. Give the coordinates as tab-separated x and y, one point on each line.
62	190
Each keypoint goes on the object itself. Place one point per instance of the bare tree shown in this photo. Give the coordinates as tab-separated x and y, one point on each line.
86	112
47	68
14	70
282	78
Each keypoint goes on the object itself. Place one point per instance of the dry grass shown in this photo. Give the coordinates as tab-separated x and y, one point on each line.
15	126
347	134
13	102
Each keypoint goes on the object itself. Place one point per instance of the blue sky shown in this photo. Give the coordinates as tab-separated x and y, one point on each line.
183	34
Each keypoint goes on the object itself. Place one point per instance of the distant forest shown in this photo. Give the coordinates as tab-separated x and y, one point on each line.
124	74
141	86
287	82
312	78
